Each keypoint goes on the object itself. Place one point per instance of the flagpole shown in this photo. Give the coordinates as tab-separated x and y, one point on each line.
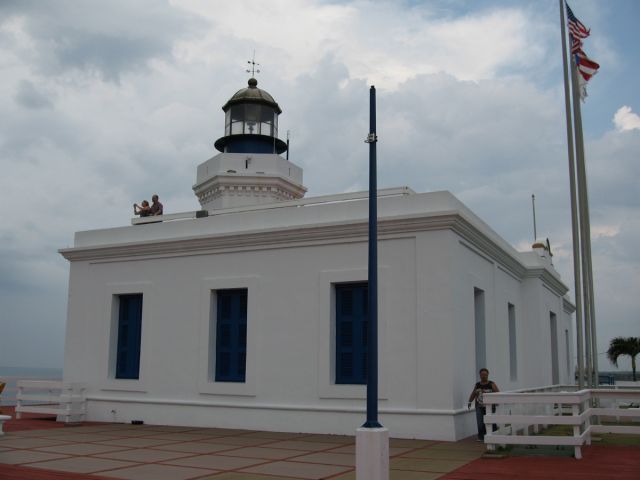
585	230
592	308
572	192
585	224
585	236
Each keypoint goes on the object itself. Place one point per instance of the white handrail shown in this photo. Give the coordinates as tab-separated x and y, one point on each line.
527	411
169	217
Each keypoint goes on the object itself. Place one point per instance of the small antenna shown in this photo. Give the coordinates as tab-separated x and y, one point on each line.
253	70
288	132
533	204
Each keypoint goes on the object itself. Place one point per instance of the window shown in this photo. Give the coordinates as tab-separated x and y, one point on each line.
230	326
231	335
479	323
513	352
567	353
129	336
352	310
553	324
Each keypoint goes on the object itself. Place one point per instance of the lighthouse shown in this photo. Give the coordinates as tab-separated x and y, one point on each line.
249	170
256	317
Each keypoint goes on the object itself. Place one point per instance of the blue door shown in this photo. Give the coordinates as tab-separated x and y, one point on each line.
352	311
231	335
129	335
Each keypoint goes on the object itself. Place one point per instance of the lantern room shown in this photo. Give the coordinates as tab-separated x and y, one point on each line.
251	123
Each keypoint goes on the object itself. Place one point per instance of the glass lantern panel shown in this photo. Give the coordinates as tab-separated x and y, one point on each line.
251	127
266	120
237	113
267	114
236	128
265	129
227	123
252	113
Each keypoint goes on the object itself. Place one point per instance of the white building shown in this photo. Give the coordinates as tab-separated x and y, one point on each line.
254	316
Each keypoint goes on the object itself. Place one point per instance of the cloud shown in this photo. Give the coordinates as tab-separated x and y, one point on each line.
384	42
605	231
613	171
103	104
613	168
33	326
451	134
103	38
624	119
29	96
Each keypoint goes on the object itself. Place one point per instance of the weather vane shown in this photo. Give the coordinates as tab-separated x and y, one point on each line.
253	64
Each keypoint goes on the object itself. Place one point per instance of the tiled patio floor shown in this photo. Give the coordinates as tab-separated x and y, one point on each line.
147	452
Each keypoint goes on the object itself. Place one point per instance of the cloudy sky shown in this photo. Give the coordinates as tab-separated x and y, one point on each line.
104	103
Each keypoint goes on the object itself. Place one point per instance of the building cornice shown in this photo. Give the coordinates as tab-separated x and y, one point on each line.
334	232
550	280
567	305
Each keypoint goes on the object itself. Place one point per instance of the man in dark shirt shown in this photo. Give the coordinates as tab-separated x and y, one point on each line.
156	206
483	386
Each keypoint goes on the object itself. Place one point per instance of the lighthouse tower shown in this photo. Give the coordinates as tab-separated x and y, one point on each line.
250	169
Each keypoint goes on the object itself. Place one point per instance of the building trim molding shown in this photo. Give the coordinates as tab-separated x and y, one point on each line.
277	188
317	234
266	406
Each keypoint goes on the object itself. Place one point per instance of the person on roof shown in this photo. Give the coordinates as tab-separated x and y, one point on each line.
156	206
144	210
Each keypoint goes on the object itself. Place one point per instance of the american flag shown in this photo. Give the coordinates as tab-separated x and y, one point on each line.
576	28
586	67
576	44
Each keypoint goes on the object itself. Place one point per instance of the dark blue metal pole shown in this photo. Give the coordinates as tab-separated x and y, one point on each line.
372	351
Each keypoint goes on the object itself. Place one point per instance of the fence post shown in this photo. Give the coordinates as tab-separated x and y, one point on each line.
575	412
18	403
587	418
488	423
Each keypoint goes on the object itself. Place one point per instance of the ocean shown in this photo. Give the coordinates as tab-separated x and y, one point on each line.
10	375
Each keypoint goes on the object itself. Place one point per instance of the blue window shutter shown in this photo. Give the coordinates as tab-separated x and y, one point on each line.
351	333
231	335
129	337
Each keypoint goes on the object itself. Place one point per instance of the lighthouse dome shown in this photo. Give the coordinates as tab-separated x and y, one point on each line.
252	94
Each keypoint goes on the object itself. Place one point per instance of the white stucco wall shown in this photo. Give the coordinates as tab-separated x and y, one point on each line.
432	253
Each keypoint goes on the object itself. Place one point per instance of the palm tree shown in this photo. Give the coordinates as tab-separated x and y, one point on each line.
624	346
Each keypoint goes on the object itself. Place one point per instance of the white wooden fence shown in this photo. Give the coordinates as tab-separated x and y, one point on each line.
53	397
523	413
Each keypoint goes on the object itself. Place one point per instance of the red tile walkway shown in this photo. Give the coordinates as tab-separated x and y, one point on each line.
34	422
598	462
16	472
